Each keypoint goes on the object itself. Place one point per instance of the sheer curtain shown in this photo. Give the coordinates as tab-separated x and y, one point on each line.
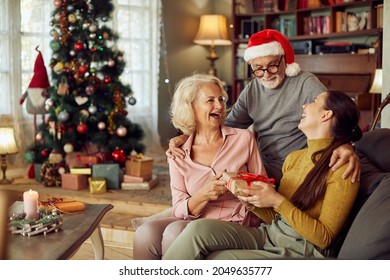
24	25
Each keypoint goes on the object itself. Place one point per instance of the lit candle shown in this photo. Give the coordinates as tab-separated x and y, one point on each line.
30	203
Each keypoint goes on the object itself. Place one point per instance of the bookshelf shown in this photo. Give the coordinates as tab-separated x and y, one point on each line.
321	31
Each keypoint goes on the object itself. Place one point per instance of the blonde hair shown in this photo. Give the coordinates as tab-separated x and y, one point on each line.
186	91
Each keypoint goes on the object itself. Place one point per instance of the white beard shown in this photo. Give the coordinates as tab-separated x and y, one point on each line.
37	96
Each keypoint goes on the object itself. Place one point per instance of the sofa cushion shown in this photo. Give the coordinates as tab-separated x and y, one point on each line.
375	146
368	237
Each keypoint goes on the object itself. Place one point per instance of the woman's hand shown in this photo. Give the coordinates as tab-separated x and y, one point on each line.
214	189
262	195
174	149
342	155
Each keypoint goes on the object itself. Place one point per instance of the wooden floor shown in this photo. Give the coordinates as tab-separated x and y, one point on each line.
116	226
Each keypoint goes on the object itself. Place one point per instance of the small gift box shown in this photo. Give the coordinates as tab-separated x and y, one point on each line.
97	185
110	171
81	170
140	166
243	180
133	179
74	181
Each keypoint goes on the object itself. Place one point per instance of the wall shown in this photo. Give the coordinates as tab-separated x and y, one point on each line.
182	56
385	122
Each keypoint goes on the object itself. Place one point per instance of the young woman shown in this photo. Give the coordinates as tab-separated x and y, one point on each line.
306	214
199	109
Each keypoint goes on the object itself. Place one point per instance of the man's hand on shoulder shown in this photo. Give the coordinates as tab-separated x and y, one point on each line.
174	149
346	154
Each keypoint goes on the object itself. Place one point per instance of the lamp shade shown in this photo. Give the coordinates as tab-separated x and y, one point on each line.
7	141
376	86
212	31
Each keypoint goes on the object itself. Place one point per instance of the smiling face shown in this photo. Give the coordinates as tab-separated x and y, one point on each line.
209	106
314	116
271	81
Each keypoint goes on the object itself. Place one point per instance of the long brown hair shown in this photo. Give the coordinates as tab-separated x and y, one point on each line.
344	130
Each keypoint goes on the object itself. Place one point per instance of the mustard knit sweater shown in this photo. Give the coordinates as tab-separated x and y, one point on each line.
321	224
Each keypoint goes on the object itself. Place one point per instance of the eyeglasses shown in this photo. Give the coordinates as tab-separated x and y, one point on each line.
272	69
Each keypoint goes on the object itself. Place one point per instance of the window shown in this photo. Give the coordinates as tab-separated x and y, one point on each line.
138	25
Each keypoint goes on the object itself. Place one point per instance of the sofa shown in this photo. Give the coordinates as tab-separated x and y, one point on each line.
367	233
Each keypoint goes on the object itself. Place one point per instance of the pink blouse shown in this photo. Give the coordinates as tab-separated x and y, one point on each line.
239	152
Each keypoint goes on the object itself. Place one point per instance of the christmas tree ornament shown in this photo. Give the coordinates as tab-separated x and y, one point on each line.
57	17
107	80
29	157
104	18
79	46
55	157
38	136
132	101
72	52
83	68
63	116
111	62
119	156
80	100
68	148
70	8
101	125
58	67
57	3
92	109
89	90
92	35
121	131
84	113
54	45
71	28
92	28
44	153
72	18
82	128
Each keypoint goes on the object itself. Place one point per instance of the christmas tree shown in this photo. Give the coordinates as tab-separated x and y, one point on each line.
86	101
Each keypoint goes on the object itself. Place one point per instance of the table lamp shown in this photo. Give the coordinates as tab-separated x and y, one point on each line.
376	88
212	32
7	147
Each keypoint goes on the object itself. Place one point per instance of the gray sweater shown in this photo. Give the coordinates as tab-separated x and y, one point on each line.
275	115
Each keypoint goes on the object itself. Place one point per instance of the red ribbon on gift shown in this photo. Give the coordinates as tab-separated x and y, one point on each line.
250	177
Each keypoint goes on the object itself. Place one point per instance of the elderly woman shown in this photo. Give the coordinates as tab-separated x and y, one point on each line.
198	109
312	204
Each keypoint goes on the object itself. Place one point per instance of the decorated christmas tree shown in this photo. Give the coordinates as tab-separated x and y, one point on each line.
86	102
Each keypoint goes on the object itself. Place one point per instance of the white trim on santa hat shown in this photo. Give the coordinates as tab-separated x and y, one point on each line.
271	48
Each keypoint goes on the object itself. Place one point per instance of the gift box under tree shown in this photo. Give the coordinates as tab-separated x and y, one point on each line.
140	166
110	171
74	181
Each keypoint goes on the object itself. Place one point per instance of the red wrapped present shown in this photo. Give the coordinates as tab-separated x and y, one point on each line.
74	181
94	158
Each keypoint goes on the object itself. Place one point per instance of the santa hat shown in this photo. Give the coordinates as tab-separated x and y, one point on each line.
272	42
40	78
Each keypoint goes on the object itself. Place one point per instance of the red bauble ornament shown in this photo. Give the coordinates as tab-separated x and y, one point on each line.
83	69
119	156
82	128
78	46
44	153
107	80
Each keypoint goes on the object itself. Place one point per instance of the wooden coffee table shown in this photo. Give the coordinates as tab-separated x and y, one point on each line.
61	245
